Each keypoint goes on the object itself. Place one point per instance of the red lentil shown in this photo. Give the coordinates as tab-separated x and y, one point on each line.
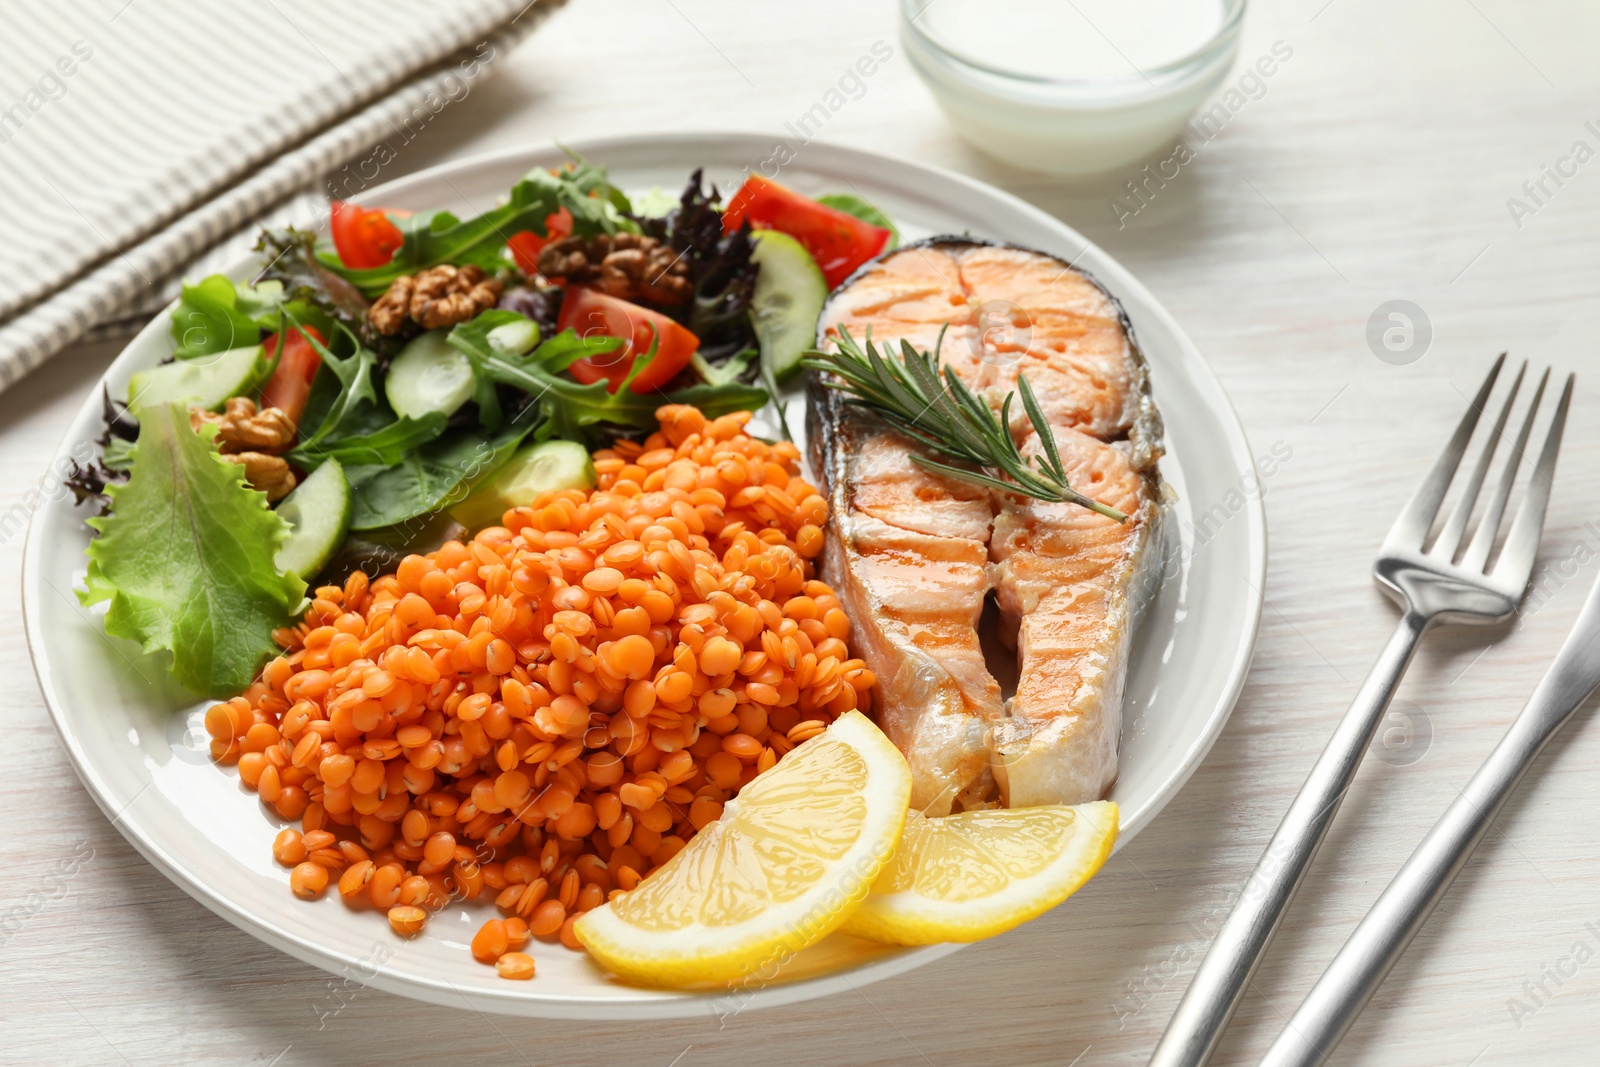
407	919
517	966
289	848
545	714
308	880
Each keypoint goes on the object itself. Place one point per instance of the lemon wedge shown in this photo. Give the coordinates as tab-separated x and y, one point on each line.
979	873
790	857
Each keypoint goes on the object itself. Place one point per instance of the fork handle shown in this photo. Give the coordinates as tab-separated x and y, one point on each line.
1196	1027
1365	960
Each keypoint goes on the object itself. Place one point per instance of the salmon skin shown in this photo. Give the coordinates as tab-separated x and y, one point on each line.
915	556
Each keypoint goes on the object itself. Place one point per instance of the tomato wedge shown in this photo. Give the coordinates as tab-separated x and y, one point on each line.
592	313
837	241
525	245
290	383
363	237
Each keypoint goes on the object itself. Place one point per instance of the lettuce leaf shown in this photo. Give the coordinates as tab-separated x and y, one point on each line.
185	559
214	315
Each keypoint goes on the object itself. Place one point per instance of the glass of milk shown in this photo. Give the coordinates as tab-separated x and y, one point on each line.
1071	87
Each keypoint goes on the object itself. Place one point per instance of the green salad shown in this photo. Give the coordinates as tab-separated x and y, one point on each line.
410	376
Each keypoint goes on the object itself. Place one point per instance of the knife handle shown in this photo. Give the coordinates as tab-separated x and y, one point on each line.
1361	965
1219	983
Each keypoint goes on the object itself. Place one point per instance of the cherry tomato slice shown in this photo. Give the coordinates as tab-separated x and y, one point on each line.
592	313
290	384
839	242
363	237
525	245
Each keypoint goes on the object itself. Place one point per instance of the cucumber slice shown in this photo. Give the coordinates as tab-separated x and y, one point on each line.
318	513
517	338
429	375
205	381
790	291
534	470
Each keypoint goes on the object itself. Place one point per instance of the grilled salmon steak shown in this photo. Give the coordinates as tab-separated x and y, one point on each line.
916	556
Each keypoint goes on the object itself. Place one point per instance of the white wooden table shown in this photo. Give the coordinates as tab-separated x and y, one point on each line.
1375	164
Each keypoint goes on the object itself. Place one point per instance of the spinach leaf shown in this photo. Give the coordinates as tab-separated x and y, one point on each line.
385	446
863	210
380	550
430	478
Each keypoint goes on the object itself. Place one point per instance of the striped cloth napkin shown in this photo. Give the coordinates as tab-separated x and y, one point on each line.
136	134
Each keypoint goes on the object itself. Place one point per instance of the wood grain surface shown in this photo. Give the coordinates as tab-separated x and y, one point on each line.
1376	163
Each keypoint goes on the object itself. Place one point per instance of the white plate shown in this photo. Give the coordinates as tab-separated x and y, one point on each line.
138	745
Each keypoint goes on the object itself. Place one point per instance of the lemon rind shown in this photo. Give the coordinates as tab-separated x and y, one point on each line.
757	948
909	918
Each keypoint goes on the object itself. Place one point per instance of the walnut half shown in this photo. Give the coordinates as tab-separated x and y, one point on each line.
624	265
242	428
253	439
390	312
270	474
437	297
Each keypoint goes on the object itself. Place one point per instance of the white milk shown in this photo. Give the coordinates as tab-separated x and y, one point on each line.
1070	86
1080	40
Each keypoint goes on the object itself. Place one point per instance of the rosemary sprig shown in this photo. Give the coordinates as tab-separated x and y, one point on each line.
941	413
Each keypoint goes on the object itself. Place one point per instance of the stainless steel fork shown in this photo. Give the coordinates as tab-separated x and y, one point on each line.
1432	586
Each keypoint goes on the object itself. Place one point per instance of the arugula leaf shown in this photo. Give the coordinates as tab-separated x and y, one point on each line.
354	373
354	427
213	315
569	407
429	478
421	229
440	237
731	369
863	210
186	559
471	338
384	447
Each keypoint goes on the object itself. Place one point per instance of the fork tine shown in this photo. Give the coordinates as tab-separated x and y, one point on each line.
1411	528
1489	525
1522	543
1450	537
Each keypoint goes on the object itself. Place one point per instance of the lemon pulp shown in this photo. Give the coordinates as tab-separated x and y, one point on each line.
792	855
979	873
